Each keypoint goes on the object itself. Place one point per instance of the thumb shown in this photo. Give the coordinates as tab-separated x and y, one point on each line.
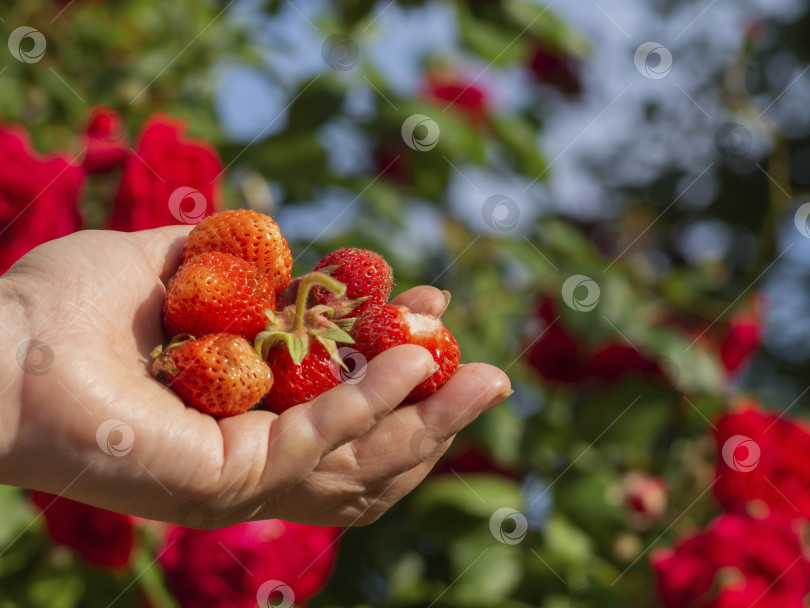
162	247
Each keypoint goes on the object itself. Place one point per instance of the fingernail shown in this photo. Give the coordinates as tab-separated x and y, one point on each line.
500	399
447	295
435	368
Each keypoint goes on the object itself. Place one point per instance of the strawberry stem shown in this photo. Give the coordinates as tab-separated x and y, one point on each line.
307	283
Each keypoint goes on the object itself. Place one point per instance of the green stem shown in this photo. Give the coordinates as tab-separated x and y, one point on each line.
307	283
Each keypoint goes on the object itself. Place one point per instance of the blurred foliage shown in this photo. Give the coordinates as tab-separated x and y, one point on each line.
436	547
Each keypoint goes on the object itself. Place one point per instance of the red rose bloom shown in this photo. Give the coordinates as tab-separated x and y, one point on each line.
105	140
555	70
615	360
741	342
393	160
226	568
762	462
38	196
644	497
739	562
465	97
169	179
101	537
556	354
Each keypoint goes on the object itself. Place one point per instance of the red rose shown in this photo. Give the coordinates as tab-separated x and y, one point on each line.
227	568
38	196
168	180
393	160
615	360
105	140
762	462
101	537
465	97
741	342
556	354
555	69
644	497
739	562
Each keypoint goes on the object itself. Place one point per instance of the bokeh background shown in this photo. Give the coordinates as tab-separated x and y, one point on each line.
616	194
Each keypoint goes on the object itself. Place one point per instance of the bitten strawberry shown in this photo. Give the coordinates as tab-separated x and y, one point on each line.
219	374
300	346
217	292
366	275
249	235
382	327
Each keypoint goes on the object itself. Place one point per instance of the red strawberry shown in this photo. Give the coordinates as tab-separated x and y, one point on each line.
365	273
300	383
219	374
300	345
217	292
247	234
382	327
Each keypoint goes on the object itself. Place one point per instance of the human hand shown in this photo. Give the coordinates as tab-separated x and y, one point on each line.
93	301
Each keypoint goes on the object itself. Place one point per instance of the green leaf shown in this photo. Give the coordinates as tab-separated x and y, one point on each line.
520	138
567	543
477	494
315	105
493	43
48	589
16	514
547	26
485	571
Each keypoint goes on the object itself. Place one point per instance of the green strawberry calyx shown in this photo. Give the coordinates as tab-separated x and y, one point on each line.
296	326
163	367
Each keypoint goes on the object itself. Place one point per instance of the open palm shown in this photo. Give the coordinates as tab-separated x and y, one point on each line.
89	423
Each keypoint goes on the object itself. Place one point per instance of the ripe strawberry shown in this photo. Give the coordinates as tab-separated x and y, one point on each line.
382	327
249	235
300	343
365	273
299	383
219	374
217	292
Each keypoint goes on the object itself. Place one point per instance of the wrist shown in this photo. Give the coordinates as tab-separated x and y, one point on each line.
16	355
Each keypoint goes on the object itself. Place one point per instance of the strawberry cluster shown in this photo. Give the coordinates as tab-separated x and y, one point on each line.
245	333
